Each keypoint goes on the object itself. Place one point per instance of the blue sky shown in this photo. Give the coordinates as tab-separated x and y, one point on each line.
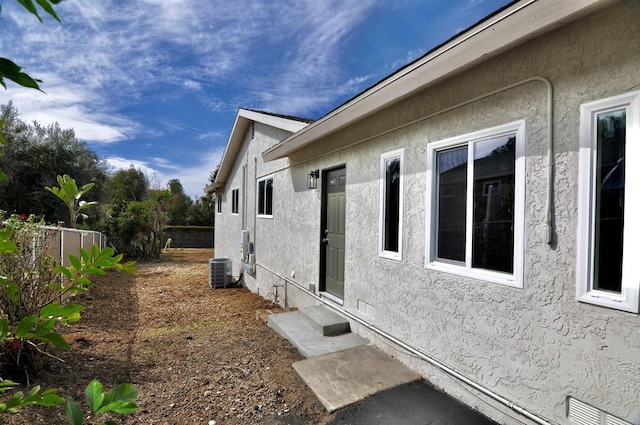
157	83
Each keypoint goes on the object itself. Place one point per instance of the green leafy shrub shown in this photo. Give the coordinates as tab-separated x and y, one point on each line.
31	290
137	231
26	286
120	399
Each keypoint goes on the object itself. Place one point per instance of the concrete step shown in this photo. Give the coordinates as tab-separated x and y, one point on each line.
325	321
308	341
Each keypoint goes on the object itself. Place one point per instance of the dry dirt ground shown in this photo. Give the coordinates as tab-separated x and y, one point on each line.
195	354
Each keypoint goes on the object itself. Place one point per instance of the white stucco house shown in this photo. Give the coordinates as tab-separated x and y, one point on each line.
475	213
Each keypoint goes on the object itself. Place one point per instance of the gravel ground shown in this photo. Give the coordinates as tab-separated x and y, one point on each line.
196	355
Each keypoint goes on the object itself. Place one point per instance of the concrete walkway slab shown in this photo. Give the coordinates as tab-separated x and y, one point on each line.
345	377
307	340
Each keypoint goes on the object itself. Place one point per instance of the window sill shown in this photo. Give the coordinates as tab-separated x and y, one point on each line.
483	275
605	299
332	297
264	216
391	256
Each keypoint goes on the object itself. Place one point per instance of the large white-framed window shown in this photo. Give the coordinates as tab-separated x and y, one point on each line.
475	223
609	203
235	201
265	197
391	204
219	203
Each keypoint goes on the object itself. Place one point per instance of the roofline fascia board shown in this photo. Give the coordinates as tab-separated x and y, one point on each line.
511	26
272	120
238	131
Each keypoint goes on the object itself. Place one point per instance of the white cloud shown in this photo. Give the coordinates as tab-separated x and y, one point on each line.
111	56
72	106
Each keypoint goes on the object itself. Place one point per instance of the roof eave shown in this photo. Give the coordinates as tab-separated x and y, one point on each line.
236	138
512	25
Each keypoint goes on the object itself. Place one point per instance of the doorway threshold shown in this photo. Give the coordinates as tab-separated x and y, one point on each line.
332	297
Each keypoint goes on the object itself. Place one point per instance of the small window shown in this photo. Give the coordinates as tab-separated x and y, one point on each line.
608	270
265	197
476	220
391	204
235	201
219	203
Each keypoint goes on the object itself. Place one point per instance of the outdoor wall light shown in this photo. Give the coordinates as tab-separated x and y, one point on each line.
312	179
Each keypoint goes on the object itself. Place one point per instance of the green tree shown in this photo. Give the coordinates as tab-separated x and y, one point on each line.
125	186
137	231
202	212
34	155
178	203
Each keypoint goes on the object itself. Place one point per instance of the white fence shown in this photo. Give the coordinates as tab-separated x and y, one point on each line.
62	241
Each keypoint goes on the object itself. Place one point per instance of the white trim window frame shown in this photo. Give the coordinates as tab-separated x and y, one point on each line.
609	203
264	197
219	204
391	204
466	227
235	201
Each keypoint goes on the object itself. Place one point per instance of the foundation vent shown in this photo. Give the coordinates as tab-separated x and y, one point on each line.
581	413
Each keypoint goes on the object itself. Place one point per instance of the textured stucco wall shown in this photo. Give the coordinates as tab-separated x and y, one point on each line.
536	345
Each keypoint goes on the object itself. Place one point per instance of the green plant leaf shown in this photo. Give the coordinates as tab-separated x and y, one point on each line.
95	250
64	271
12	71
120	399
71	312
77	264
6	385
6	244
14	404
25	327
56	340
11	291
4	331
86	256
48	400
28	4
122	407
50	310
106	252
94	271
82	281
48	8
44	327
95	395
74	413
35	390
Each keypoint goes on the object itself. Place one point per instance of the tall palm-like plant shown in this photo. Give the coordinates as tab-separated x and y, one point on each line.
70	194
